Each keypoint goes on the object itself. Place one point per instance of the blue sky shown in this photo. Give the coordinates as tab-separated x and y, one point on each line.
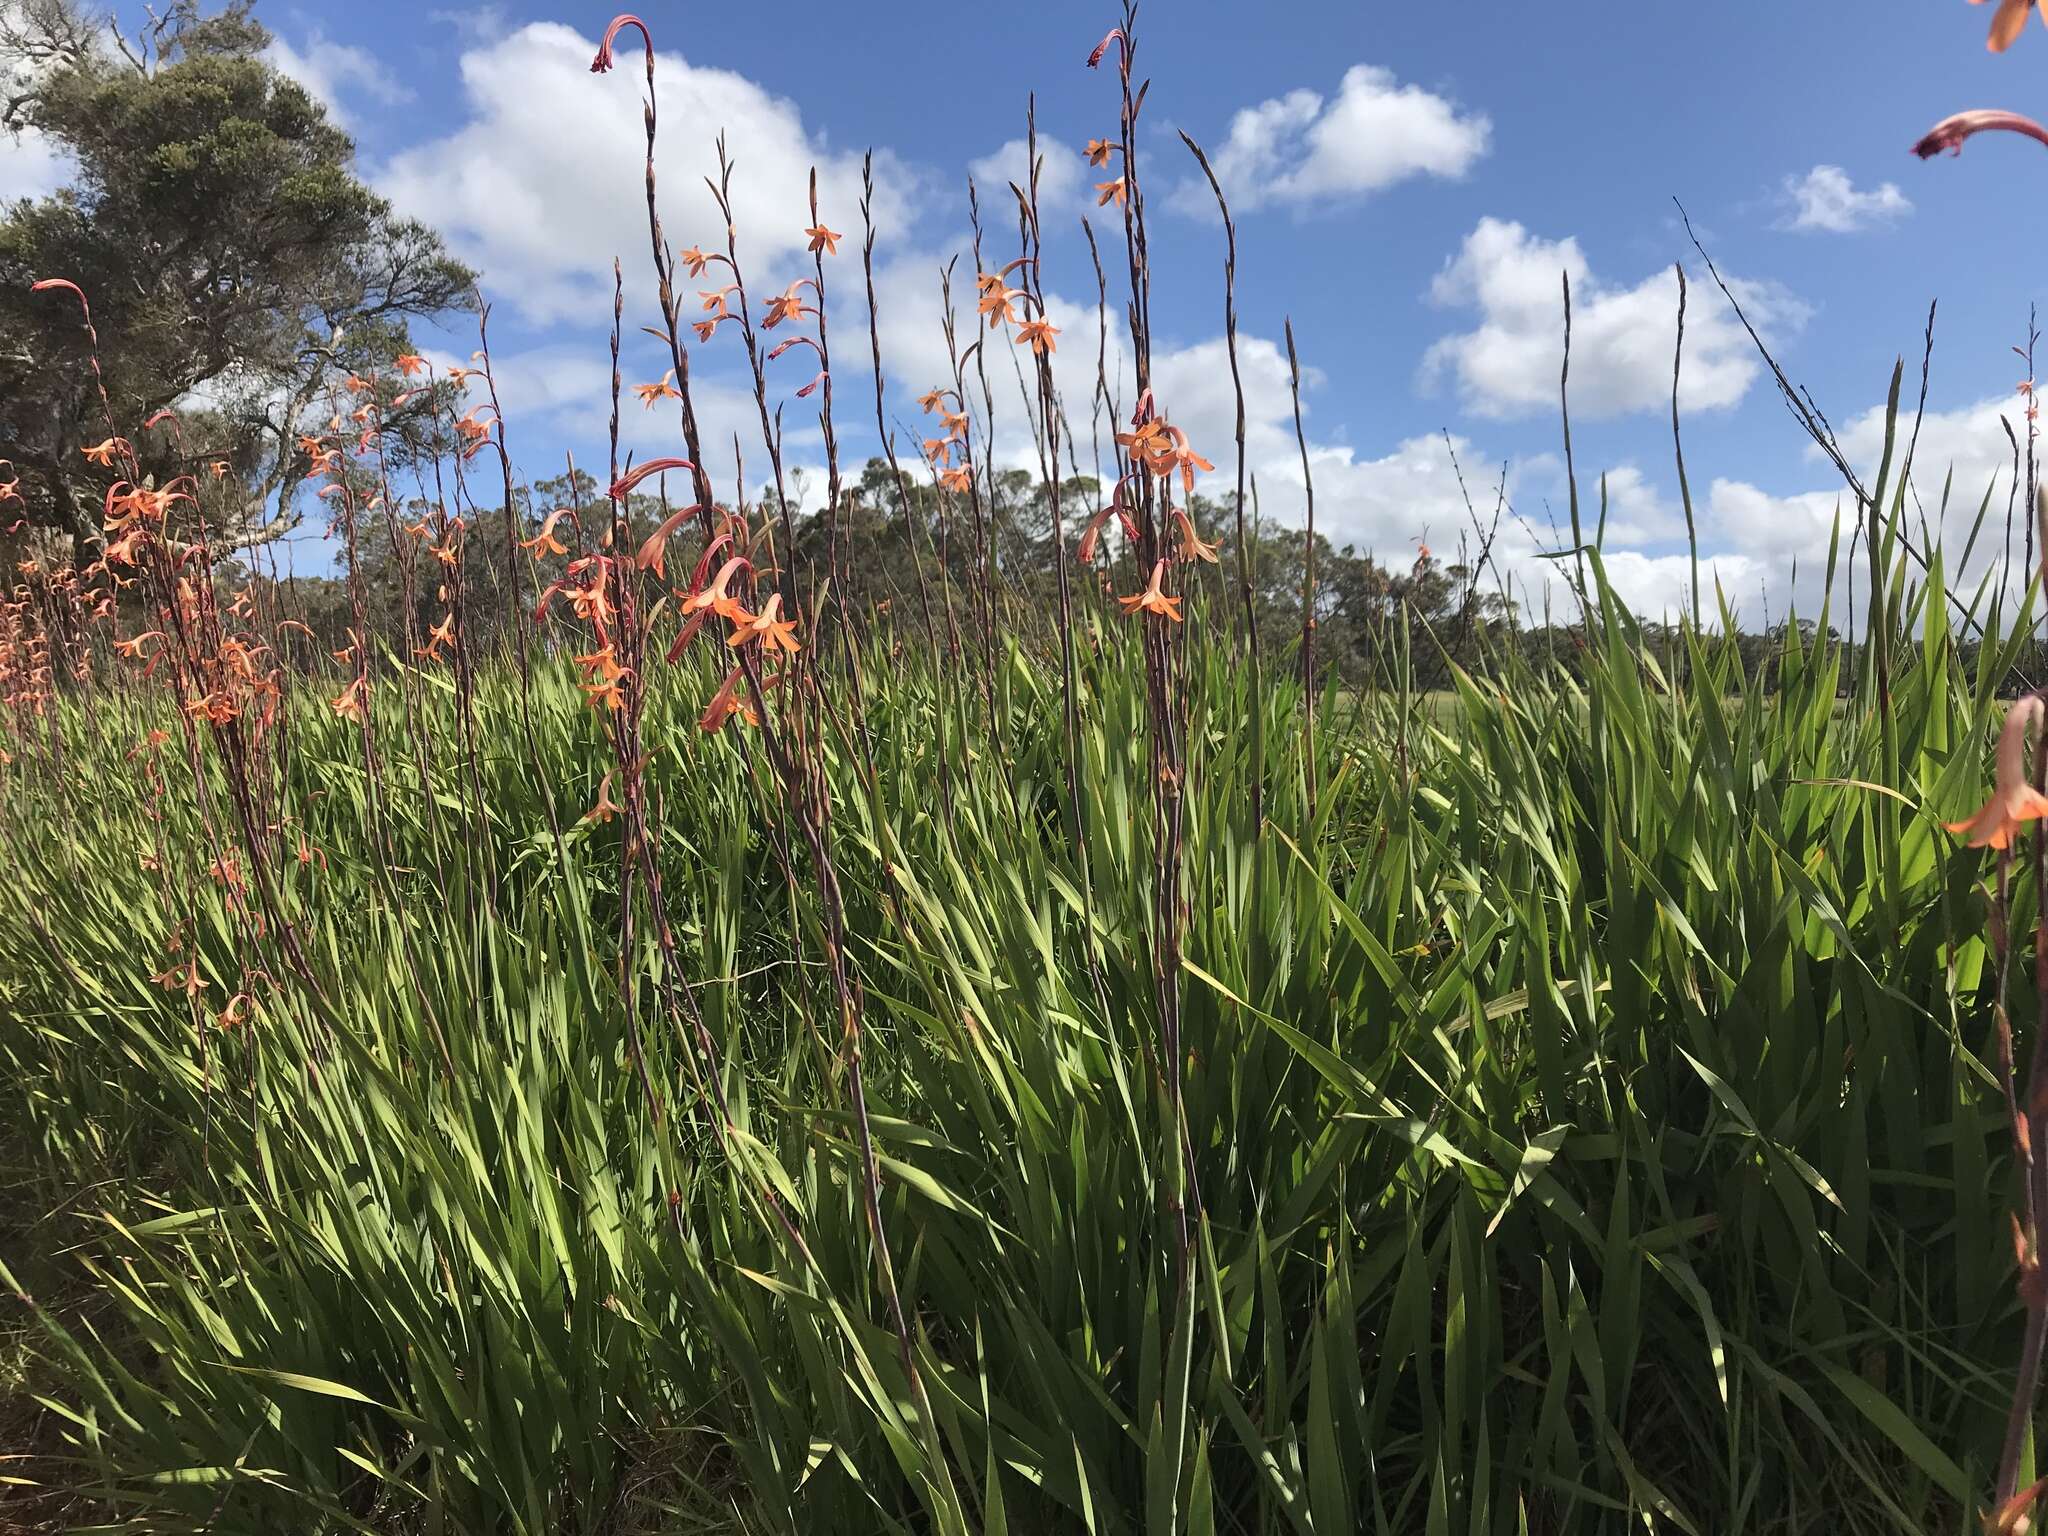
1411	179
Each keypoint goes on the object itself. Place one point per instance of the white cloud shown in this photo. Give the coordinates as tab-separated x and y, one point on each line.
1059	175
30	166
1300	149
332	73
542	185
1824	198
1621	337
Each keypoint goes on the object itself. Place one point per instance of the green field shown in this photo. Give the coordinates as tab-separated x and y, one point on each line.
1587	1097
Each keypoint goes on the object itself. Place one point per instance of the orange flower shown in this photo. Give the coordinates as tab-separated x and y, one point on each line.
823	239
931	398
665	390
939	449
1107	192
787	305
409	363
764	626
182	978
2014	799
1039	334
1154	598
546	539
1099	151
606	807
1091	536
694	259
103	453
960	478
731	700
350	701
653	554
995	302
219	468
1191	546
2007	24
441	634
135	646
715	597
605	675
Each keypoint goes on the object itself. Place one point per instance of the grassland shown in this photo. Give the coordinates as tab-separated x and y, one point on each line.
1588	1112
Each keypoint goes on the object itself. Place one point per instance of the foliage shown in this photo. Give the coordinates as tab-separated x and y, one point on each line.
239	268
1587	1104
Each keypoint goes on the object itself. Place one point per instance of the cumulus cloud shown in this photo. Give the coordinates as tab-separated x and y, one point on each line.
1825	199
1621	336
30	166
333	73
1302	149
1059	174
541	185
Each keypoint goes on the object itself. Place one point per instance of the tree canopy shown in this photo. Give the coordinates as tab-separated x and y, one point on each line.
237	267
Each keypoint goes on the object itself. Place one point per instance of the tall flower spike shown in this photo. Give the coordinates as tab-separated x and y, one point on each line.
2014	800
1950	132
604	60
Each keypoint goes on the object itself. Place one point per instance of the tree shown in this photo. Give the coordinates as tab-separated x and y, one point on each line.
237	268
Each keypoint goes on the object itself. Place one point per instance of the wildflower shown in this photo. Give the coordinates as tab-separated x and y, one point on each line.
1191	546
823	239
930	399
2007	24
604	60
1099	151
136	645
103	453
715	598
731	699
1123	45
764	626
2013	797
606	807
602	685
706	329
350	701
441	634
546	539
653	554
182	978
1949	133
665	390
623	486
725	703
787	305
1107	192
996	301
695	260
939	449
409	363
1091	536
1039	334
1154	598
960	478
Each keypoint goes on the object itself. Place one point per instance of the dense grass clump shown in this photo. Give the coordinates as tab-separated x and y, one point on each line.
1590	1118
